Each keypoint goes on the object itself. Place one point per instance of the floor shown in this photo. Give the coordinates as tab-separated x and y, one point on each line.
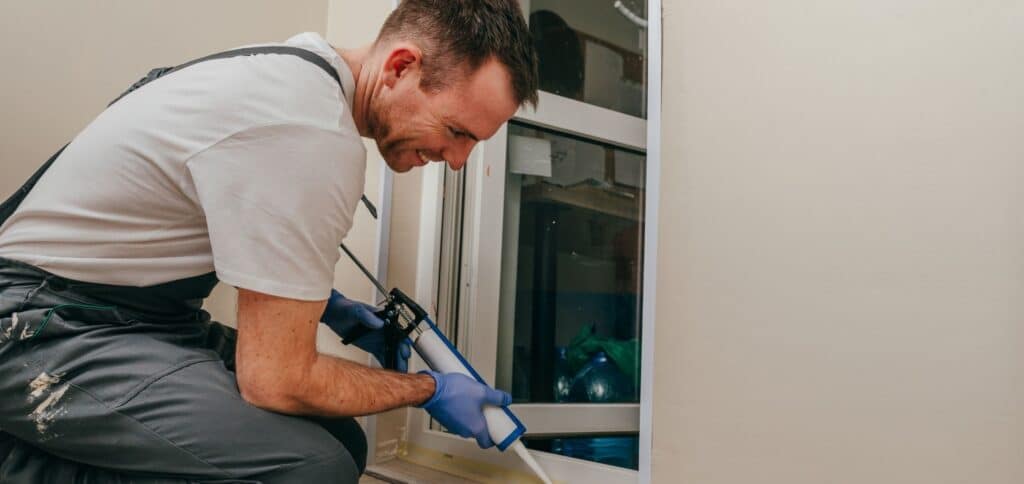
371	480
366	479
401	472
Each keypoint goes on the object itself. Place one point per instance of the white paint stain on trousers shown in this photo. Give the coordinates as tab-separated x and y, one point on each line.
11	330
50	408
6	335
24	327
41	384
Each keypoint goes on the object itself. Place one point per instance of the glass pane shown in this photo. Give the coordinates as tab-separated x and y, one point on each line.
569	322
621	451
592	51
568	331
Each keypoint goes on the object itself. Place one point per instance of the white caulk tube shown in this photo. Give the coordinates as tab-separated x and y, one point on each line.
502	424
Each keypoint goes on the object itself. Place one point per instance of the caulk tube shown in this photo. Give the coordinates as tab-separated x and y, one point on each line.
442	357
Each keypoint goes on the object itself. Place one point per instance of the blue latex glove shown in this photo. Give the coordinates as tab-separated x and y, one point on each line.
342	314
458	405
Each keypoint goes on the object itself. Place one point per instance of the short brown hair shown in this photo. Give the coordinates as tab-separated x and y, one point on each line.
466	33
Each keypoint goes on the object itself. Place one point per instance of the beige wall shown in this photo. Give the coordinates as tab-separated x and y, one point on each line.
841	292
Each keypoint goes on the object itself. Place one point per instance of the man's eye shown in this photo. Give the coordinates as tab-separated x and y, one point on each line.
456	133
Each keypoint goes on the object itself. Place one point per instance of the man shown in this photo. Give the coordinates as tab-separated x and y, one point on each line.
245	169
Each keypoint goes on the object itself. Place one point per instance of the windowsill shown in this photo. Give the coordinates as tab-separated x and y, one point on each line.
398	471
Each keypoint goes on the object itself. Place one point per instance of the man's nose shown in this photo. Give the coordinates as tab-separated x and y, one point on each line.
457	155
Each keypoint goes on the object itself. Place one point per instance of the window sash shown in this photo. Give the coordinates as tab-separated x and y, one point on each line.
567	419
587	120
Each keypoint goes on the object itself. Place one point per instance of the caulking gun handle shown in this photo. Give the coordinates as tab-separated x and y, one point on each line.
358	331
393	338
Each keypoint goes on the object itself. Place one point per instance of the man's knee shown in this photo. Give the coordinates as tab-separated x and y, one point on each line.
350	434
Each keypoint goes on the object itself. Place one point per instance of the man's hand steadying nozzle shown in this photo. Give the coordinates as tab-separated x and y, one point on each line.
458	404
342	315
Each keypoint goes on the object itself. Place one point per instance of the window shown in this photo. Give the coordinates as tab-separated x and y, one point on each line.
536	255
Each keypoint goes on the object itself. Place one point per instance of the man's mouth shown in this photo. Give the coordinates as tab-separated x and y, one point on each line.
424	158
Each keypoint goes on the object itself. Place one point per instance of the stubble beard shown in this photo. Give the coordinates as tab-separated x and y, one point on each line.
380	129
379	126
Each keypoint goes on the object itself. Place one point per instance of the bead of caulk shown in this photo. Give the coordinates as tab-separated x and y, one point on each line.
525	455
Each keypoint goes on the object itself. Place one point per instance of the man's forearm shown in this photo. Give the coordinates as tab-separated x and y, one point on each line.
279	368
338	387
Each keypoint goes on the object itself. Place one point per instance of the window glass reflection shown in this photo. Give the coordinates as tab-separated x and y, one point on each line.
575	211
592	51
614	450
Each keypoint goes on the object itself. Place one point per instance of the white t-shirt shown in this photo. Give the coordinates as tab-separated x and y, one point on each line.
251	166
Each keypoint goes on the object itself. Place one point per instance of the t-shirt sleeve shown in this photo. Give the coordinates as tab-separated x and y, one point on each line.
278	200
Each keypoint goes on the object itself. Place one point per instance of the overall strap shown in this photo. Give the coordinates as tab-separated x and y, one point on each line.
244	51
8	207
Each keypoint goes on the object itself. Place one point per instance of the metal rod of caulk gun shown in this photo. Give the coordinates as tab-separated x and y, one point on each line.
380	287
366	272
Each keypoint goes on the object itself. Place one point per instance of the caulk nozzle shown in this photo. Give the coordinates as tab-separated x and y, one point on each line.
525	455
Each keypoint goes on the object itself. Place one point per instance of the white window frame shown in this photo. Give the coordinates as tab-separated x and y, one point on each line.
485	204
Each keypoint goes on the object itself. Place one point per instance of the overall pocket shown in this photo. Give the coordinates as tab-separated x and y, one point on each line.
98	350
61	320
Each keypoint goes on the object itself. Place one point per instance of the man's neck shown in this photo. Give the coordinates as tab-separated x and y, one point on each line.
358	63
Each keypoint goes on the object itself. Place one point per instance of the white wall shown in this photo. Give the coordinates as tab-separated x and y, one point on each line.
841	292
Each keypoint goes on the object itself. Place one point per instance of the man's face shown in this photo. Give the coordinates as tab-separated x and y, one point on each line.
413	127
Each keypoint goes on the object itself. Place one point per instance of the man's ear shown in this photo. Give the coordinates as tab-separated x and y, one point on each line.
404	60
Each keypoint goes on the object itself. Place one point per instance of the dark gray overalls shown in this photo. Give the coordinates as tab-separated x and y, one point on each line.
116	384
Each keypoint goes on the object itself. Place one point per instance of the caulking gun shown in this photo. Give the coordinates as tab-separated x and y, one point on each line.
404	318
